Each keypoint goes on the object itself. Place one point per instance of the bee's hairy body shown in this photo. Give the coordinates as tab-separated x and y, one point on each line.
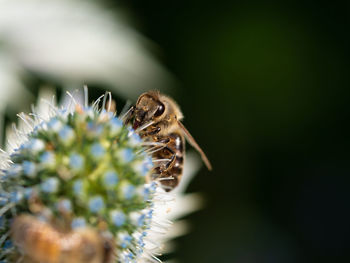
157	118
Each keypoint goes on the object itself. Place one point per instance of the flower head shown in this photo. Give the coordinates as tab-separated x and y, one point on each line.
83	168
78	165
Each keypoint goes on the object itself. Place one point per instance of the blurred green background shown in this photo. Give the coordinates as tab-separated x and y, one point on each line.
264	87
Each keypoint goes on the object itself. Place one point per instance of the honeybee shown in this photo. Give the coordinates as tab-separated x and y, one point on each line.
39	242
157	118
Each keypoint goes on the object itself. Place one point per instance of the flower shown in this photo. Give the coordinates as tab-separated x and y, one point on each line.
98	180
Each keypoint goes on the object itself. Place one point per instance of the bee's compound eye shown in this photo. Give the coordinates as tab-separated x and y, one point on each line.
160	110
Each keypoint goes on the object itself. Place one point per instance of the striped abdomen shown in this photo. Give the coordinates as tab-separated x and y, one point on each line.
170	172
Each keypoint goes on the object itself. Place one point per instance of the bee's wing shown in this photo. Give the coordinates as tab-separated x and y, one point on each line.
192	141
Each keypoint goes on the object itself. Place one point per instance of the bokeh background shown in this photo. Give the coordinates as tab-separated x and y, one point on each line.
264	87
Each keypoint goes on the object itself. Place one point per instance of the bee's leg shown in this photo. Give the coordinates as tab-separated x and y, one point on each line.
166	153
128	115
165	141
152	131
168	180
172	159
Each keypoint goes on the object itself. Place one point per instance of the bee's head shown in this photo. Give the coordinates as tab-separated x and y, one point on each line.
148	108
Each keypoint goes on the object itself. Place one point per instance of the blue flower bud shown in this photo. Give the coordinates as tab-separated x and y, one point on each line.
48	159
118	217
54	125
93	129
97	151
78	187
50	185
110	179
65	205
128	191
29	168
137	218
66	135
115	126
143	167
96	204
76	161
34	145
134	139
16	196
124	239
127	155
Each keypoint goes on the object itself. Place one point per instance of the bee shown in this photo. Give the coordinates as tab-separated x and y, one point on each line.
39	241
157	118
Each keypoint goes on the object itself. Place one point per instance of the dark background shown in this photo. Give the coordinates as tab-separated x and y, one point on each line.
265	91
